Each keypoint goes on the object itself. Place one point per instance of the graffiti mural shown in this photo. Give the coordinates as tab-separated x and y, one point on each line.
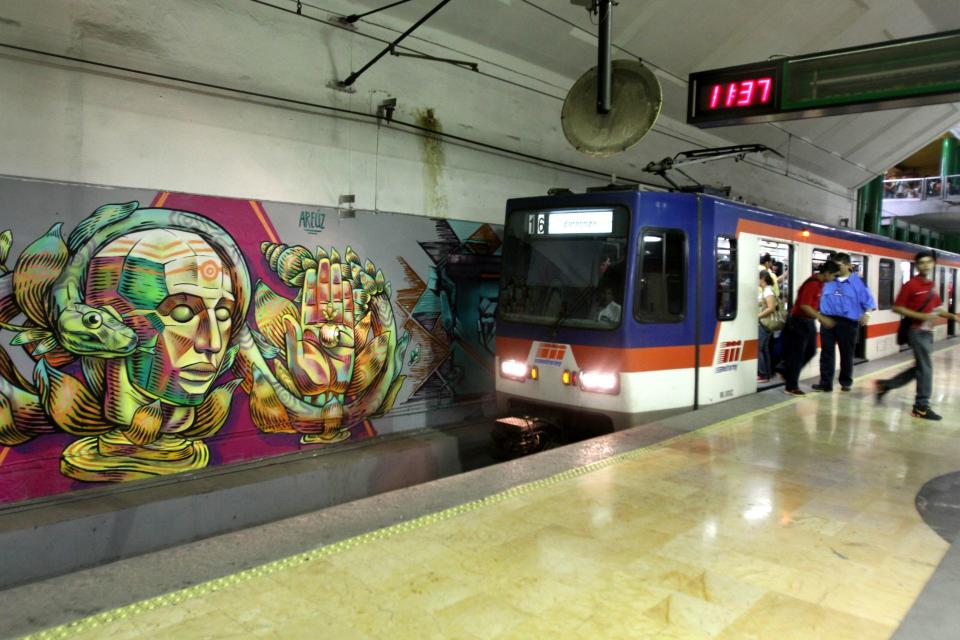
153	340
334	353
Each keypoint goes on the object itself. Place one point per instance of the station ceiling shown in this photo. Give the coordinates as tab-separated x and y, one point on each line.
677	37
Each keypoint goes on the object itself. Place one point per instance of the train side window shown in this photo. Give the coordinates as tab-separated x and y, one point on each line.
885	285
906	271
726	255
661	291
819	257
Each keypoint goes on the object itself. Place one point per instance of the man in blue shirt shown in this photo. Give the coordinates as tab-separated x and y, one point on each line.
846	300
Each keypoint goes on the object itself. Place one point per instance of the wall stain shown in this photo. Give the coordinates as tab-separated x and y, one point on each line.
433	157
111	34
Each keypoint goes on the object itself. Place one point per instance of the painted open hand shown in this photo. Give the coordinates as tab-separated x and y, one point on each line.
320	347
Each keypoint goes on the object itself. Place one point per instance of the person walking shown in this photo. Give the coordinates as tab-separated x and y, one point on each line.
846	301
767	306
918	301
800	332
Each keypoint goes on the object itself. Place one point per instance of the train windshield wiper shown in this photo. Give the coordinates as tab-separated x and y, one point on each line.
566	313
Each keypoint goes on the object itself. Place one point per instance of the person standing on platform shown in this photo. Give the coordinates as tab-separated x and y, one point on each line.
800	332
918	301
846	301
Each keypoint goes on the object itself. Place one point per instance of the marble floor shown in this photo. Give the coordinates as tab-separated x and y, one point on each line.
795	521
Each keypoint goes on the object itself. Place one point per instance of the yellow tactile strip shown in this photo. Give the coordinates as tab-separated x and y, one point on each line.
92	622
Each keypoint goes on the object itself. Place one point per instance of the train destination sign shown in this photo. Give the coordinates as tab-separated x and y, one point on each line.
570	222
900	73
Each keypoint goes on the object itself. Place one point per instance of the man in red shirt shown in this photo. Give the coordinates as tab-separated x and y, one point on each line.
918	300
800	332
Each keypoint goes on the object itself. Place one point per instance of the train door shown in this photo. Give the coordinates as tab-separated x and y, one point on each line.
861	265
782	255
665	309
907	270
951	301
942	291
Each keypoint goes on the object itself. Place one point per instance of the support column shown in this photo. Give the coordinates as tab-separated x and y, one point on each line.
950	164
870	205
900	230
950	156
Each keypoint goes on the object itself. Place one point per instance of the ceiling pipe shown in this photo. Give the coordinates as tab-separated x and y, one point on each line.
604	66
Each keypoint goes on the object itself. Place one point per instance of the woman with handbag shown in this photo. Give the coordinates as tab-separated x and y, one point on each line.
767	305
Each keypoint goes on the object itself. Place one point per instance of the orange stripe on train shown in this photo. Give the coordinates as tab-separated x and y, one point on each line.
631	360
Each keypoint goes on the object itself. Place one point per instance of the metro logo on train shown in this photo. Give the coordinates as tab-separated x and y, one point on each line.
728	355
551	354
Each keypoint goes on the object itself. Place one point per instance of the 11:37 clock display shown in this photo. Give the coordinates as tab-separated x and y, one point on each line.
734	94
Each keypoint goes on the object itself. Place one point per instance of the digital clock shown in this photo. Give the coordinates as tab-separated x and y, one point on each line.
741	93
734	94
887	75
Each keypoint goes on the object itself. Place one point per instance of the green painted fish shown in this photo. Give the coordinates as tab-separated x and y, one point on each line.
88	331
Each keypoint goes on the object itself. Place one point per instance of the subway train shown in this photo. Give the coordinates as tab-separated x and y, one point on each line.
618	305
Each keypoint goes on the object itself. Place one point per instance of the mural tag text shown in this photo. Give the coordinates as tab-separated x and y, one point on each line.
312	221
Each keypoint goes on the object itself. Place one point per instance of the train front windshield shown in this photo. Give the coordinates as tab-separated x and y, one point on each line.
564	267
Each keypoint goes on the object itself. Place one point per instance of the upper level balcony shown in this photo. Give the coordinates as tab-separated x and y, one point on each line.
915	196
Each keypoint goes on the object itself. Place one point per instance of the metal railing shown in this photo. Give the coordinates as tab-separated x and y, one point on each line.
929	188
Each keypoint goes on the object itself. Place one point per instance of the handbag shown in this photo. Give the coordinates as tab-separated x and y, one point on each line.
776	320
903	331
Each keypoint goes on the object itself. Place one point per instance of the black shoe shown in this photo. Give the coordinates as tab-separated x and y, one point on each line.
926	413
794	392
844	388
820	387
882	390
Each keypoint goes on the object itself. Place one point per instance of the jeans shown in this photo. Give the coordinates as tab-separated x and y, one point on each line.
763	352
799	346
922	371
843	335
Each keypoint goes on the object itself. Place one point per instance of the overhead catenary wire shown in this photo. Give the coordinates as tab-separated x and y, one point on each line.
357	16
657	129
488	63
324	107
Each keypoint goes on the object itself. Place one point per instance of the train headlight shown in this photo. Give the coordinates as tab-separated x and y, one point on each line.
513	369
599	381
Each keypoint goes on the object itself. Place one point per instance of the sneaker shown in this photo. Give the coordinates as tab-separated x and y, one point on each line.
762	380
844	388
794	392
820	387
926	413
882	390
